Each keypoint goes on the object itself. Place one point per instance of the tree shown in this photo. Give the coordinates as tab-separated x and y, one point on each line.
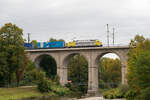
109	73
3	68
136	40
34	42
12	50
53	40
139	68
78	73
48	64
21	69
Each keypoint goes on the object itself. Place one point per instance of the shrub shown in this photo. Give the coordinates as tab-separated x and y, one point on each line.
123	89
40	74
29	78
130	95
71	87
56	80
145	94
81	89
60	90
44	85
113	94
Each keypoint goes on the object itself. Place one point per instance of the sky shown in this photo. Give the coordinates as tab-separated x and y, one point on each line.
78	19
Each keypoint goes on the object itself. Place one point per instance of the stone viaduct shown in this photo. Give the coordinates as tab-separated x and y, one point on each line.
91	54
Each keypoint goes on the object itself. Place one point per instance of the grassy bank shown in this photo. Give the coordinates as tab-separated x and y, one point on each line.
21	92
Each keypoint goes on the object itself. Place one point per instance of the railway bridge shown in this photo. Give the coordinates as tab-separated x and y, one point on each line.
91	54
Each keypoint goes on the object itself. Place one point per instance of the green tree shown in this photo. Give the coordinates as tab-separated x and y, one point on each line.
53	39
12	49
78	73
34	42
139	68
109	73
48	64
3	68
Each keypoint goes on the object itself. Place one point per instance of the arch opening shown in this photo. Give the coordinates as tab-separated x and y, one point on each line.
109	70
77	72
48	64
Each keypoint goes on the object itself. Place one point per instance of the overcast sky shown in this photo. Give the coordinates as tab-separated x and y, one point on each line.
78	19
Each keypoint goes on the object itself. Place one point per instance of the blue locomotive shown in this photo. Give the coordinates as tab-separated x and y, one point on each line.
28	45
55	44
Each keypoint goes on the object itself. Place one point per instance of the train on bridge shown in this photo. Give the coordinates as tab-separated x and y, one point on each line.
62	44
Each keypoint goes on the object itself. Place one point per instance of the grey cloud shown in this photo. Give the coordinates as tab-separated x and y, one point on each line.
83	19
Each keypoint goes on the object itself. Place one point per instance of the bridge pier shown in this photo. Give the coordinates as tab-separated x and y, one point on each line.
62	73
124	72
93	80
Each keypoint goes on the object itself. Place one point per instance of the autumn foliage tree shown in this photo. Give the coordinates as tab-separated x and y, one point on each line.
139	67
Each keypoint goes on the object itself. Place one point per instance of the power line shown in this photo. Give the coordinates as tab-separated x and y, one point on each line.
113	36
107	35
28	37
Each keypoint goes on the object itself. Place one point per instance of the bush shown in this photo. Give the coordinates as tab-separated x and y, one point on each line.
123	89
145	94
130	95
116	93
60	90
29	78
71	87
112	94
44	85
77	88
56	80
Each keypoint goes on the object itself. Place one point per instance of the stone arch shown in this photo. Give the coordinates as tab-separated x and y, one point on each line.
48	63
65	60
39	57
100	55
70	55
122	59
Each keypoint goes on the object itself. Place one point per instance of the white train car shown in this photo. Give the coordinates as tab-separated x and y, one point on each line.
84	43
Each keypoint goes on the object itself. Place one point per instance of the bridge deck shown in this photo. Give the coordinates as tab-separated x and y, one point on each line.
81	48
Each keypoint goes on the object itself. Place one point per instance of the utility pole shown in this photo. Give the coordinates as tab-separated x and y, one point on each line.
107	35
28	37
113	36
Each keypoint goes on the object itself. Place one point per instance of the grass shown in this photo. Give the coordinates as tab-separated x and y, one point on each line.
21	92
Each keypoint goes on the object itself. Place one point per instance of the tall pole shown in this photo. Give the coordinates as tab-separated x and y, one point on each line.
113	36
28	37
107	35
